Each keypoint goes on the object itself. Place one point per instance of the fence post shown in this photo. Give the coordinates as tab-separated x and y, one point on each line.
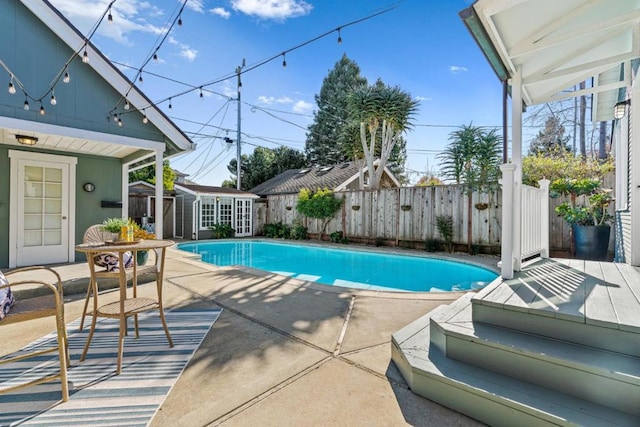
506	256
544	216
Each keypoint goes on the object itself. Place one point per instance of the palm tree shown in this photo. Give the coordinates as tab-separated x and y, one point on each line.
385	109
472	159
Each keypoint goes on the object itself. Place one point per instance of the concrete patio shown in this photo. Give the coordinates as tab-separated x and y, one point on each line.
283	352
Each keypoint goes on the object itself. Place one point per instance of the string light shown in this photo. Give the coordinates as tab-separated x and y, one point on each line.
26	104
339	36
155	57
120	122
42	109
53	99
126	104
145	120
180	20
284	60
140	78
12	88
66	78
115	117
85	56
110	16
170	106
201	94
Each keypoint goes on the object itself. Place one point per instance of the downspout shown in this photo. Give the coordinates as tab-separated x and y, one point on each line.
194	219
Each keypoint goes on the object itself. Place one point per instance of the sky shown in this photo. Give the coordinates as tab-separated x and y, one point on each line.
420	45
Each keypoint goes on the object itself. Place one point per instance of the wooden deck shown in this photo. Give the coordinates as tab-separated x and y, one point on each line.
594	293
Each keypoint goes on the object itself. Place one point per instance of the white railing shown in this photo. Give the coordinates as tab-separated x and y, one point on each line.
535	221
525	221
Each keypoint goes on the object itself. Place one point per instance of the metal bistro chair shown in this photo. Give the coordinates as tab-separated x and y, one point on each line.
95	234
51	304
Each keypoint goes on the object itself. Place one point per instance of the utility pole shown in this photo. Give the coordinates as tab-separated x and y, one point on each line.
239	150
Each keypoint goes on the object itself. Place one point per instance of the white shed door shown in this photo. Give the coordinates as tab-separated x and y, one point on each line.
243	218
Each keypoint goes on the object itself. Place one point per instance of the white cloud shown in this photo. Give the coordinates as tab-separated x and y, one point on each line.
423	98
455	69
269	100
302	107
196	5
278	10
188	53
221	11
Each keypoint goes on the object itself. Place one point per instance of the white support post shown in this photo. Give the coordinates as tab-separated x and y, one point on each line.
544	217
506	263
159	220
125	191
516	160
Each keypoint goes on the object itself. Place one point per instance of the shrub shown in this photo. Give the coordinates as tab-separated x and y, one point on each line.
277	231
222	231
320	204
444	223
338	237
298	232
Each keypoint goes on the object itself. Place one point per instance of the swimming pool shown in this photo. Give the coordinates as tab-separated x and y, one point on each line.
346	267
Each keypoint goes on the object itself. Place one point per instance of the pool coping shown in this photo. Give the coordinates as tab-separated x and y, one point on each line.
300	283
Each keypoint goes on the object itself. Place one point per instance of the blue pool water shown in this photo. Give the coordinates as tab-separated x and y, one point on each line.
348	268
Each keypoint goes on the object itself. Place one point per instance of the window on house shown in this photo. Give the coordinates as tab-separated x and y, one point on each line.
207	212
226	211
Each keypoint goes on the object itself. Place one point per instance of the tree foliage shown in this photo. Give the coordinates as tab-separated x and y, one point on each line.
330	135
320	204
563	165
429	181
472	158
551	140
334	137
263	164
148	174
384	113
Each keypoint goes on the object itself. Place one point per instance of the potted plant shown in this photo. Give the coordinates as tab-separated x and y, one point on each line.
589	222
111	228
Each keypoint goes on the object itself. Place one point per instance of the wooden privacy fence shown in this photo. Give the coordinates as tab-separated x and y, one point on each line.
407	215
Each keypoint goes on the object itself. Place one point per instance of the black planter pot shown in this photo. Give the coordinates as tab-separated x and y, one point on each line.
592	241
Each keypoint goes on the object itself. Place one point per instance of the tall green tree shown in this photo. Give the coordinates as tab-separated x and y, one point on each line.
148	174
263	164
383	113
330	136
551	140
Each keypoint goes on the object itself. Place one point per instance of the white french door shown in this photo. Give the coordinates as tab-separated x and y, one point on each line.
42	200
243	218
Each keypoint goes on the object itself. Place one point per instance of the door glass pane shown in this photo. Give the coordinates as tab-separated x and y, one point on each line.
32	206
52	237
33	238
52	191
52	222
33	222
32	189
53	175
33	173
53	206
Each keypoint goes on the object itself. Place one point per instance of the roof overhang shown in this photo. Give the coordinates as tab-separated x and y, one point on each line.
128	149
558	44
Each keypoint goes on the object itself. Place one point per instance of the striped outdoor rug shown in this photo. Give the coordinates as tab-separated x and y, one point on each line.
98	397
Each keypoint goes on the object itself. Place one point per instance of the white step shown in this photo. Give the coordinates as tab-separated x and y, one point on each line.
487	396
595	375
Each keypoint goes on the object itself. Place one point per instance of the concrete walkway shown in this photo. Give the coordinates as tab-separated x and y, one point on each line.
283	352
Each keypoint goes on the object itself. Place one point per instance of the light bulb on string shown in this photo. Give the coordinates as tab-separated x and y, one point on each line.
126	104
339	37
155	57
201	94
54	101
42	110
26	104
110	16
170	106
85	56
12	88
180	20
284	60
66	78
145	120
115	117
119	122
140	78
